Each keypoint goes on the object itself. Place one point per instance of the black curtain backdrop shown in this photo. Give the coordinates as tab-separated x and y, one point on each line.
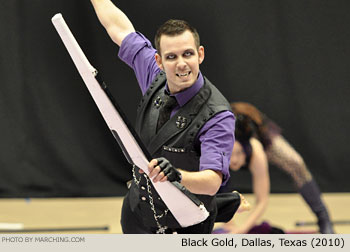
289	58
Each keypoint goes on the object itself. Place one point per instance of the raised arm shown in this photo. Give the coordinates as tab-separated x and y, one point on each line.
116	23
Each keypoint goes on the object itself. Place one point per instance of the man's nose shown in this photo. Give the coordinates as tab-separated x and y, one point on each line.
181	62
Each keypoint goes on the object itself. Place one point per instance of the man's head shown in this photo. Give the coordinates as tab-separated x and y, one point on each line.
174	27
179	54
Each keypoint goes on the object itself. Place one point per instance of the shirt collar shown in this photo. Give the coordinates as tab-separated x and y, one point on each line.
184	96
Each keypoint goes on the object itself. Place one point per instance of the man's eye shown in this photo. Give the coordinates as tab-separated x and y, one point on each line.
187	54
170	57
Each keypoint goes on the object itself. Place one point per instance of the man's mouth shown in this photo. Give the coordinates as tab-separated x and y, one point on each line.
183	74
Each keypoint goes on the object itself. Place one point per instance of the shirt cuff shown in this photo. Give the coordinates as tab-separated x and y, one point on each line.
216	162
131	45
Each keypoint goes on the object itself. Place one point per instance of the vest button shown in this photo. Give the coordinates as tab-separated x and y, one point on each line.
143	198
143	188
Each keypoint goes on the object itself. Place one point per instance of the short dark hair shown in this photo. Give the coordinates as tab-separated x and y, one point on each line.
174	27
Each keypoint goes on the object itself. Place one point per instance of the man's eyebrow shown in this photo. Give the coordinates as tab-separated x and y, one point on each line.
168	54
186	50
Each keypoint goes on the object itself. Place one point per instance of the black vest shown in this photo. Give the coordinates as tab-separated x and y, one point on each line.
177	141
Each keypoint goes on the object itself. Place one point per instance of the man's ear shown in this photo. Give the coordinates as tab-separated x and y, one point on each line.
200	54
159	61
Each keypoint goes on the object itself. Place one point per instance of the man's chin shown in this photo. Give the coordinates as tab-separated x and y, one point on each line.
183	81
181	86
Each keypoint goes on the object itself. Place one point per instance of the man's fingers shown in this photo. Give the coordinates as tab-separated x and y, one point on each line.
151	166
166	170
155	171
162	170
152	163
162	165
165	178
159	177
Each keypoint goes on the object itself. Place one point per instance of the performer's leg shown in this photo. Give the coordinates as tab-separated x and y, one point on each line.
130	222
312	195
284	156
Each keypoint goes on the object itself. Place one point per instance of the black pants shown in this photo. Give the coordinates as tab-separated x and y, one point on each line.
132	223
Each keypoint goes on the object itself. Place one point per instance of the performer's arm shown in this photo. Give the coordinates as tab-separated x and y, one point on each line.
202	182
116	23
261	186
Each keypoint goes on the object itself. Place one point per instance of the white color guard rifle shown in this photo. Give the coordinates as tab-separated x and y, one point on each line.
191	210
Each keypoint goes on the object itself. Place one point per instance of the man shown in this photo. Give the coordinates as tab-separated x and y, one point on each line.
182	118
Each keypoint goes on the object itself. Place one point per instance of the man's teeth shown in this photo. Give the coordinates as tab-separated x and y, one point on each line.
183	75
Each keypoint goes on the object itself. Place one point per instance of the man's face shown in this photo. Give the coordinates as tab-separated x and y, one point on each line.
180	60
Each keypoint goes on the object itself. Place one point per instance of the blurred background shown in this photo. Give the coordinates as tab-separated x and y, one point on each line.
289	58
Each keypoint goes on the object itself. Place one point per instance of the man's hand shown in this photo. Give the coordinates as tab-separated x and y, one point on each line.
162	170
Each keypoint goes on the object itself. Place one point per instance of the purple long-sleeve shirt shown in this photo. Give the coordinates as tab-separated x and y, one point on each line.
216	136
